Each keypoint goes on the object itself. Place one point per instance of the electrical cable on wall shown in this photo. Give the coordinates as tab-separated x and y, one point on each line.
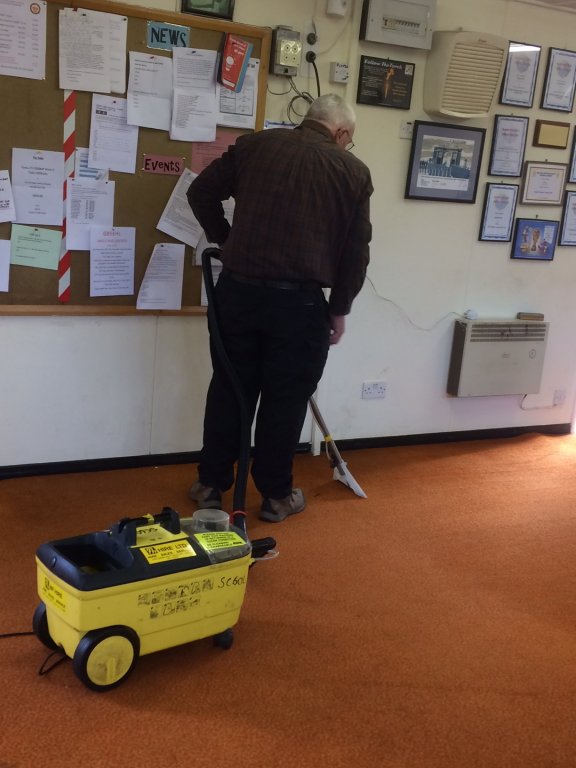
405	315
291	110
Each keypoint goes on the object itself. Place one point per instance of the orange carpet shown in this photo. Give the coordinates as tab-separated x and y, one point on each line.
432	625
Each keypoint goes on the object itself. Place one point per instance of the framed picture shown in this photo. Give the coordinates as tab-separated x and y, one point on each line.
572	166
520	75
560	80
568	222
543	183
385	83
444	162
548	133
534	239
220	9
498	213
508	145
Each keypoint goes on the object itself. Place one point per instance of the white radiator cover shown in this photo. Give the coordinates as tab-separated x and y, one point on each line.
497	357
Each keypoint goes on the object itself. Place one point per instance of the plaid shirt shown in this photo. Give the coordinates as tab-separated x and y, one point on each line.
302	209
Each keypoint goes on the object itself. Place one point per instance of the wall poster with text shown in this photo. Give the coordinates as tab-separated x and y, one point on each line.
385	83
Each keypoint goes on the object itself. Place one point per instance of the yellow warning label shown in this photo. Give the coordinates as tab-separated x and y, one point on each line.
173	550
150	534
53	594
216	540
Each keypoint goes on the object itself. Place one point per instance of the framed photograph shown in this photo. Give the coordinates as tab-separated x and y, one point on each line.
572	167
508	145
558	93
520	75
551	134
568	222
543	183
498	213
220	9
444	162
385	83
534	239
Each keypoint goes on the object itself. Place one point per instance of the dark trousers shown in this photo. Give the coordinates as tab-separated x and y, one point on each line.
277	340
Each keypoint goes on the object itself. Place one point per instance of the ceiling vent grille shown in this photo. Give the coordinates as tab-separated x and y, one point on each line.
463	74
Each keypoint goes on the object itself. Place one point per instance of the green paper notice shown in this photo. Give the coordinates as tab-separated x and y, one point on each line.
35	247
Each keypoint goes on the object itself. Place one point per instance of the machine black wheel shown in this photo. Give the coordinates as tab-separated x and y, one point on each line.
105	657
40	627
224	639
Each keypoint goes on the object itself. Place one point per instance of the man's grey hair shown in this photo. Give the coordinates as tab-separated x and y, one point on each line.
333	111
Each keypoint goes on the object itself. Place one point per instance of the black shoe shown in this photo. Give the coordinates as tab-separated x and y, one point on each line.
276	510
205	496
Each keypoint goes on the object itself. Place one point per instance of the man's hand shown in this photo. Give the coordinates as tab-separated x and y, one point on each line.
337	328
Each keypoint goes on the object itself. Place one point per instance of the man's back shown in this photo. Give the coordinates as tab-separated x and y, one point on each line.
301	206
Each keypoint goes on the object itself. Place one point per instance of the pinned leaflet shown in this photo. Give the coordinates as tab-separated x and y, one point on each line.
236	54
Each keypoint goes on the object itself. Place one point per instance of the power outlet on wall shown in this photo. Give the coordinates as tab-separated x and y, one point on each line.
559	397
286	54
309	45
374	390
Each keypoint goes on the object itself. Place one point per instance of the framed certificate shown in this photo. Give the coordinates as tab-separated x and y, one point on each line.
444	162
572	167
520	75
548	133
543	183
534	239
560	80
508	145
568	223
498	212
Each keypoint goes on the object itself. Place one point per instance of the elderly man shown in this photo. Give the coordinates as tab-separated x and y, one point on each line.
301	224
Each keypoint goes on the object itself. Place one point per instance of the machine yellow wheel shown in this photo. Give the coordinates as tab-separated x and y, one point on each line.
105	657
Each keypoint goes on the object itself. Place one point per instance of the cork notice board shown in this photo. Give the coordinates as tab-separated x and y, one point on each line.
33	119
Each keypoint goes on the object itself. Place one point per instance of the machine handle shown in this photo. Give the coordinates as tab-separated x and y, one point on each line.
127	526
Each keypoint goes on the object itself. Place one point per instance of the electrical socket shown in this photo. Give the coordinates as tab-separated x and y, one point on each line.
406	129
286	55
559	397
306	68
373	390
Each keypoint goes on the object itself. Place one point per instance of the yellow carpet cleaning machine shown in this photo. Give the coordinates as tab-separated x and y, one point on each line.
151	582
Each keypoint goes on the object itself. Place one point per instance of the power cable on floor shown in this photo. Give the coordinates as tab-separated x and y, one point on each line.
43	667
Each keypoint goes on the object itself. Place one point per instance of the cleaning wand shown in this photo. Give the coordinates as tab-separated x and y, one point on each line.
341	471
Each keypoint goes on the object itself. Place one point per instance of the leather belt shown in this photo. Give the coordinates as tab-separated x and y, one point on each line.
282	285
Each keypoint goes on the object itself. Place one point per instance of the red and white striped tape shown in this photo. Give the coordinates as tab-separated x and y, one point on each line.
69	152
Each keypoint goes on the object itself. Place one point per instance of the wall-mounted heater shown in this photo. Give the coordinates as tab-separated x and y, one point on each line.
497	357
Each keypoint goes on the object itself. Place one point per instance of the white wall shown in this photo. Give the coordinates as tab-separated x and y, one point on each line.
79	388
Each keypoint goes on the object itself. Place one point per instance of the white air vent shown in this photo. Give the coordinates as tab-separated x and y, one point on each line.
497	357
463	73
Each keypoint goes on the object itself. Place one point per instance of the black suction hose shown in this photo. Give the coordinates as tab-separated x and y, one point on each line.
260	546
239	499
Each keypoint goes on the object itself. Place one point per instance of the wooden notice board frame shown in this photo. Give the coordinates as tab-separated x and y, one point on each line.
34	120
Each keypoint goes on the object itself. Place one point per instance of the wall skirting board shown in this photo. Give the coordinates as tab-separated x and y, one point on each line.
192	457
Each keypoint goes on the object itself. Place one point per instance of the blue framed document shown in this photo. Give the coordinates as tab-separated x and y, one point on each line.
534	239
498	213
560	80
520	75
508	145
568	223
